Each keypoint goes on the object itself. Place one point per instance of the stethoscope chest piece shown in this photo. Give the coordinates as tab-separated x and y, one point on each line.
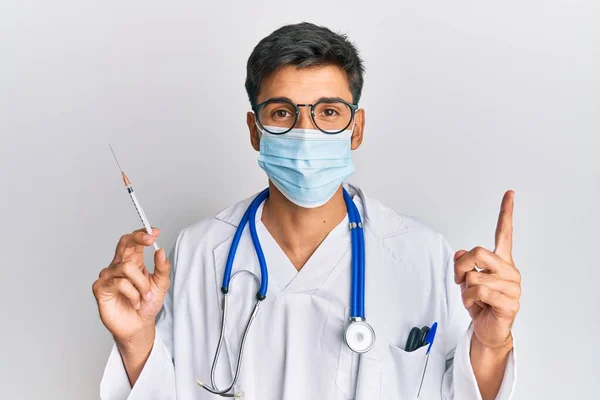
359	336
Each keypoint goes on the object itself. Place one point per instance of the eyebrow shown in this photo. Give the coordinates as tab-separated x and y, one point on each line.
285	98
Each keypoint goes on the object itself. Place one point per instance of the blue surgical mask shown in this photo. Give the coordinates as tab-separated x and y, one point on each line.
306	165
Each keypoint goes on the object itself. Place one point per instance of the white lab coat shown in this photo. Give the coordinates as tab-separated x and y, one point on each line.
295	348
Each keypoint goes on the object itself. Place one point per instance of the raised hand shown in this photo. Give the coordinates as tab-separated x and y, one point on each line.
492	295
128	296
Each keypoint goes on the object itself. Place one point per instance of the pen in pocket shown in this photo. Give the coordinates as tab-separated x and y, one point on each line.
428	340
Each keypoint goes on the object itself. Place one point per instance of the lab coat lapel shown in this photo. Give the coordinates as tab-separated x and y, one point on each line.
381	221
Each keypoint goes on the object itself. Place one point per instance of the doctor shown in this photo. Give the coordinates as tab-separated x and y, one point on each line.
304	83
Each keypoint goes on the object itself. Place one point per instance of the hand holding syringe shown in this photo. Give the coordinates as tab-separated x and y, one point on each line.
129	297
136	204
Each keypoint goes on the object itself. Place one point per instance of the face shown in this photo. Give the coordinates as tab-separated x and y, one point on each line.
306	86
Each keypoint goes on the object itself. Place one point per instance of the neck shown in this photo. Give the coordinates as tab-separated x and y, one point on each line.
299	231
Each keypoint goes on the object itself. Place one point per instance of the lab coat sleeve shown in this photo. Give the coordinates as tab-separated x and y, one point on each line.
157	379
459	380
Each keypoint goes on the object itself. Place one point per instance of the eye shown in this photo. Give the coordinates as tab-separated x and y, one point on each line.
330	112
281	113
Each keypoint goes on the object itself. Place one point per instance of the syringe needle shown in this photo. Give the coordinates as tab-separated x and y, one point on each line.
125	179
113	153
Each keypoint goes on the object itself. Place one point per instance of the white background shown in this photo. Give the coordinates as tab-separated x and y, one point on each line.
463	101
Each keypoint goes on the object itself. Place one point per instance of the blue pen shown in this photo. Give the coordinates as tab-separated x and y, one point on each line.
429	340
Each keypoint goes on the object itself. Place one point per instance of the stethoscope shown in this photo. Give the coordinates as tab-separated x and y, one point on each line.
359	335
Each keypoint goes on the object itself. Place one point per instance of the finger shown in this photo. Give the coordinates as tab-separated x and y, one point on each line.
123	287
504	228
162	268
126	250
132	244
459	254
130	271
509	288
477	256
154	229
503	305
484	259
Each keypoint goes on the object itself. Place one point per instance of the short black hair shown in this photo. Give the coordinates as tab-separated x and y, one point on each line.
304	45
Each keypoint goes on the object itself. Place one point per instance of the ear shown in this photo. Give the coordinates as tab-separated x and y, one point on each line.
254	133
359	128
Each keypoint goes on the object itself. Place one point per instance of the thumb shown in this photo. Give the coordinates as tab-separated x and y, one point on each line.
162	268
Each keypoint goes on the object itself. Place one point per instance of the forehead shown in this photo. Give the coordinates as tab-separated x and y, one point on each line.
305	85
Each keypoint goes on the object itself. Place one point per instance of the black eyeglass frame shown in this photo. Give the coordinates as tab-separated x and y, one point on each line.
353	108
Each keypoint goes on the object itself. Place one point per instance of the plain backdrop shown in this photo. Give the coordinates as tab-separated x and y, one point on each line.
463	101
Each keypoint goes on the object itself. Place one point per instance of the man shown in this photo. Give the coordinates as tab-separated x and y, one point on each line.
304	83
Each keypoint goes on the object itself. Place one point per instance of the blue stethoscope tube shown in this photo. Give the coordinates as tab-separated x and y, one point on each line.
357	304
249	216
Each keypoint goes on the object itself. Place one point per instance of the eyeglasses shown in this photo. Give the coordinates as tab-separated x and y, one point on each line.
279	115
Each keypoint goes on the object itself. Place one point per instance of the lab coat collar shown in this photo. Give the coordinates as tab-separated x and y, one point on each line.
382	221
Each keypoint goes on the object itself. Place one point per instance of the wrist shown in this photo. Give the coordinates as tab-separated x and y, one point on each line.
135	352
138	345
496	351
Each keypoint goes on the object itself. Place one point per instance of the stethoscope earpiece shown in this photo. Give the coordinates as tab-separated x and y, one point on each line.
416	338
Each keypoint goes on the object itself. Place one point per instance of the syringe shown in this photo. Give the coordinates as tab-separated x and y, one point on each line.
136	204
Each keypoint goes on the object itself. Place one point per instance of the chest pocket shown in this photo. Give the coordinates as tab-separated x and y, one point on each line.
403	371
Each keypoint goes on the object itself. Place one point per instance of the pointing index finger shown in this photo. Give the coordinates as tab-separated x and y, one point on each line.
504	228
